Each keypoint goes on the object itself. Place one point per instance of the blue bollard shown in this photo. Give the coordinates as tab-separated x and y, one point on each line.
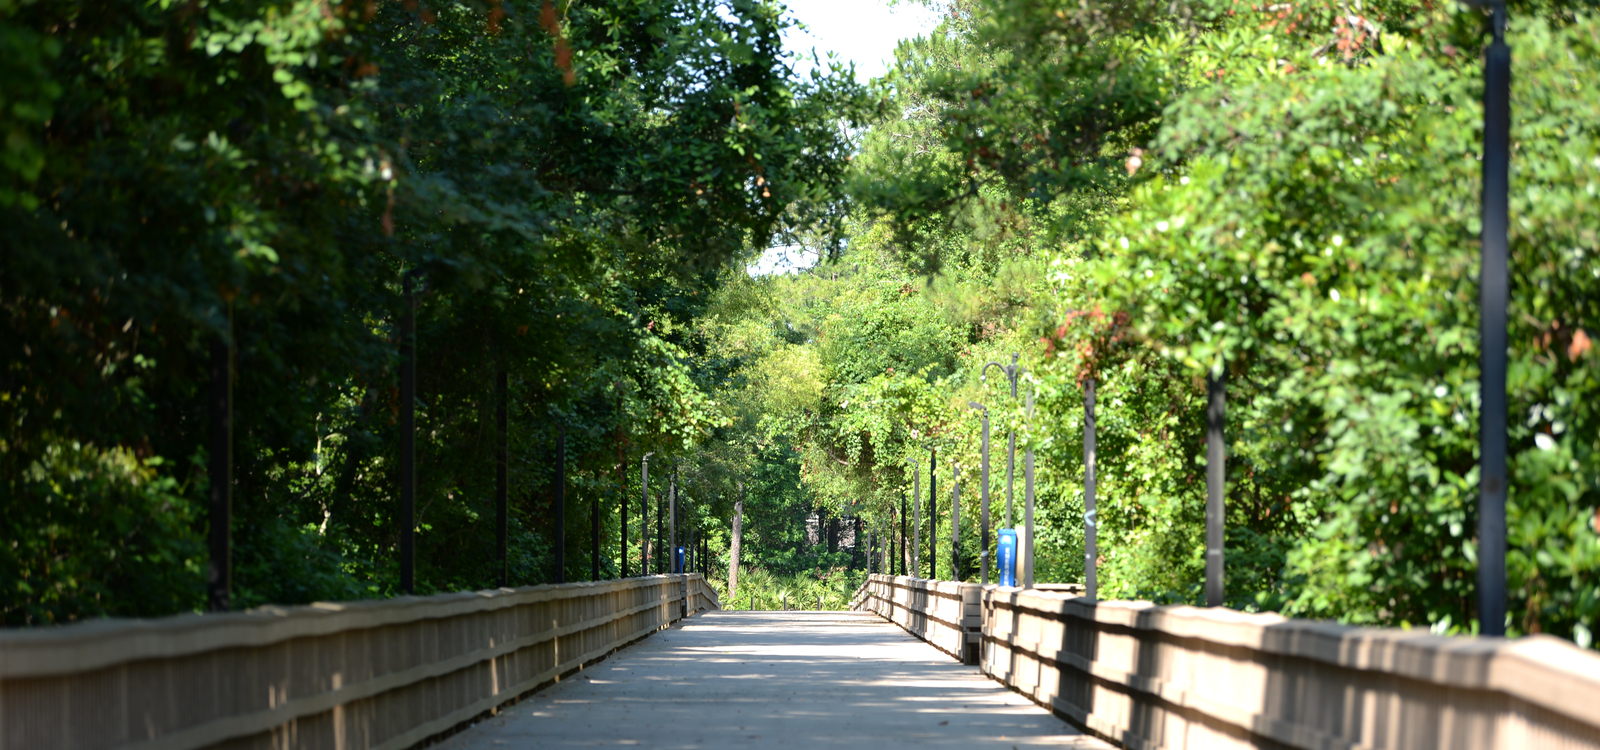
1007	557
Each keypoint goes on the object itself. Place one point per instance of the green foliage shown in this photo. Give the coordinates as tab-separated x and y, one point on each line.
567	185
1290	194
103	532
763	590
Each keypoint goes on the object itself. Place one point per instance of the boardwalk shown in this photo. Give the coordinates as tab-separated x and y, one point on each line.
775	679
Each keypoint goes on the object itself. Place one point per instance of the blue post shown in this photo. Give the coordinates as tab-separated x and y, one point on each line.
1006	557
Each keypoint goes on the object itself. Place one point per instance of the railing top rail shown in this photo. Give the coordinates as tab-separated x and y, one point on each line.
1540	669
96	644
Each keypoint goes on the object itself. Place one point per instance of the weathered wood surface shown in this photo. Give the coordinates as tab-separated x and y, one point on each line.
808	680
1154	676
370	674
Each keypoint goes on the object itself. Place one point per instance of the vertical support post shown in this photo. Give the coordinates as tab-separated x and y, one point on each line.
502	521
1027	517
933	515
955	521
219	575
983	557
661	536
734	543
561	505
644	515
916	519
1011	470
901	557
1216	478
672	522
1494	292
408	438
1091	553
594	538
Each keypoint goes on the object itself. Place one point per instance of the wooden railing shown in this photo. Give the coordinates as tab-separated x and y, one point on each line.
943	613
1151	676
371	674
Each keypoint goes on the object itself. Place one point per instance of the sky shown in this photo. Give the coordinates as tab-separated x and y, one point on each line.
861	31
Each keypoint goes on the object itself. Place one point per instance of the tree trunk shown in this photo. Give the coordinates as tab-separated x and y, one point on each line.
733	547
833	534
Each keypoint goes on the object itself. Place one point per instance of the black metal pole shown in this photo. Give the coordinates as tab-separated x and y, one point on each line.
672	521
916	519
955	521
661	535
594	538
1011	470
644	514
561	505
1091	553
1026	553
1494	291
408	438
1216	477
985	553
983	492
901	557
622	500
219	575
933	515
502	520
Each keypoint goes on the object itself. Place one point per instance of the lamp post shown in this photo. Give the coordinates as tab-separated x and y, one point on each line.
983	540
1494	291
1012	371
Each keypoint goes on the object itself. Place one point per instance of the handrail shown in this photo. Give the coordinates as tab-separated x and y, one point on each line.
381	674
1179	676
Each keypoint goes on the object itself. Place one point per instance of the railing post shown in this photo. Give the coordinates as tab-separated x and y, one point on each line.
408	437
1494	292
561	505
933	515
1216	478
916	519
955	521
1091	554
502	522
219	577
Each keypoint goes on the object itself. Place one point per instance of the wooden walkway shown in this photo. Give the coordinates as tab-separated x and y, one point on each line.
775	679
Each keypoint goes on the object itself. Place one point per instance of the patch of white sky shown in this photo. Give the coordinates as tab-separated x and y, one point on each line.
864	32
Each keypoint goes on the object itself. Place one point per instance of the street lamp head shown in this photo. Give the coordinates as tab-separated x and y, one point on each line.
976	405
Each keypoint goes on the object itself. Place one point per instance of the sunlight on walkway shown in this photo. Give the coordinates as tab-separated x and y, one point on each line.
775	679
